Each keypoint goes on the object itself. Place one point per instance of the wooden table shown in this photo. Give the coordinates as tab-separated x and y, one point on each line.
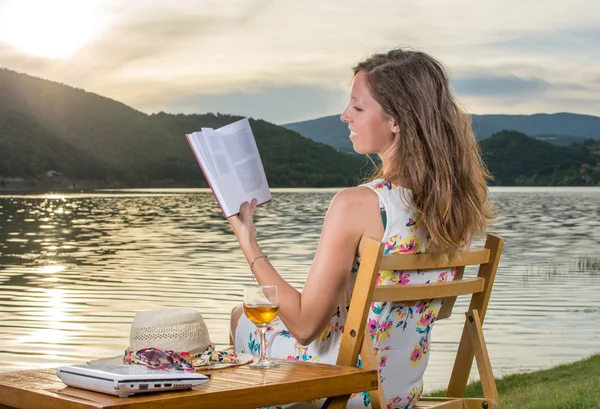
235	387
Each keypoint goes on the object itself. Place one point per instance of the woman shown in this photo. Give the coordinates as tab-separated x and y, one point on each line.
430	193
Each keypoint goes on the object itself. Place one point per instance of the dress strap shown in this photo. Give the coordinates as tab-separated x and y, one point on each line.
374	187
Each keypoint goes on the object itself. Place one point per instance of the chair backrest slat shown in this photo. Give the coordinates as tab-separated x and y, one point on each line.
412	292
434	260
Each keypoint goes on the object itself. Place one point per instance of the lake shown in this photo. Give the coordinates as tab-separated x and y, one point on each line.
74	268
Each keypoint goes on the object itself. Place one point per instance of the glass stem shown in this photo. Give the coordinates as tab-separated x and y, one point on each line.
263	347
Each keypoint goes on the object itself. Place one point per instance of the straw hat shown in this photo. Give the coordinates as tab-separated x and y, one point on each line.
177	329
181	330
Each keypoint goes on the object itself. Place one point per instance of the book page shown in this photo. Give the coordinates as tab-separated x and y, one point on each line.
199	145
226	184
241	173
215	152
249	174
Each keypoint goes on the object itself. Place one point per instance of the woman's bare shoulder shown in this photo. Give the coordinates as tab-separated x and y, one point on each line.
355	200
352	213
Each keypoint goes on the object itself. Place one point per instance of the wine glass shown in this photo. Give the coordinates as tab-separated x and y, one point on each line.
261	307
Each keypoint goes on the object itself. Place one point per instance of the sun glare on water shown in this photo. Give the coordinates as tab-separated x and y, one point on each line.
52	29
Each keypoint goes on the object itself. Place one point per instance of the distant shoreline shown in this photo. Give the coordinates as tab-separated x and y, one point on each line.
180	190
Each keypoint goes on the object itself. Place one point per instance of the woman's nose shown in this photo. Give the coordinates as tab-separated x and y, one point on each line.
344	116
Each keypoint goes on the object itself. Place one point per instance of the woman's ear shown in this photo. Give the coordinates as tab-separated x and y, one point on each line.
394	126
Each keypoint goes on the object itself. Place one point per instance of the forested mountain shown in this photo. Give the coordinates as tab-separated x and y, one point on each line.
514	159
287	158
583	126
559	129
47	128
53	135
328	129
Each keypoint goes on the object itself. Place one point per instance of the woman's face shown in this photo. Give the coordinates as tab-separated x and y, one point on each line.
371	130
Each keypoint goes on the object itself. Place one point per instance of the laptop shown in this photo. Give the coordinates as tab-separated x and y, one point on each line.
125	380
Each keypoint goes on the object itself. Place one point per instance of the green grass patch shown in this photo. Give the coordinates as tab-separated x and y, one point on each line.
570	386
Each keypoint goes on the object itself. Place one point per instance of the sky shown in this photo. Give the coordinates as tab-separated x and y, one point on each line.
289	60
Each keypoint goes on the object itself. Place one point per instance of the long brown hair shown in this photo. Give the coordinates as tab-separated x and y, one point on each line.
437	154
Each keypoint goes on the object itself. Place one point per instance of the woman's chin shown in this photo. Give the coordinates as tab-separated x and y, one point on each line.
358	149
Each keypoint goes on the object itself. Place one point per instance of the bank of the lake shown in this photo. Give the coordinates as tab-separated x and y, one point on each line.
571	386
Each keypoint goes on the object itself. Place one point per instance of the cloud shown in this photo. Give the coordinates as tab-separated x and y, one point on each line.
491	85
263	57
143	39
13	59
157	33
564	41
516	86
290	86
502	91
279	104
134	37
510	94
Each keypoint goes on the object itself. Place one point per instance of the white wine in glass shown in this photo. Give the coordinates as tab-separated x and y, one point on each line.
261	307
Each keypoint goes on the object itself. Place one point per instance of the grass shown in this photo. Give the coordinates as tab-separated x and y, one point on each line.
570	386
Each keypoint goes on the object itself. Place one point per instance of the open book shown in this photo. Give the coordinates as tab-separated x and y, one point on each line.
229	158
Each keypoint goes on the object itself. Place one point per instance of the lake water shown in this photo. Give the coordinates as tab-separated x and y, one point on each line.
75	268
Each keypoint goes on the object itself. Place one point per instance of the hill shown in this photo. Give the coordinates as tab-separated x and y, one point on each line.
85	140
328	129
56	136
559	128
287	158
514	159
560	140
583	126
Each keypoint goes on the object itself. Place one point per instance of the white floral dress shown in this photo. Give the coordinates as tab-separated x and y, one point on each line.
401	332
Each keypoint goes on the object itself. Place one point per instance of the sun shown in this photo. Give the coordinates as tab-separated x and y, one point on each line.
47	28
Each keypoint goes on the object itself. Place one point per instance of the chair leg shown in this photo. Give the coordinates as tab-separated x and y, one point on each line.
337	402
482	357
367	353
462	366
474	403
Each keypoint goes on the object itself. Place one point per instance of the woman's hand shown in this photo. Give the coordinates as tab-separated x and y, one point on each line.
243	225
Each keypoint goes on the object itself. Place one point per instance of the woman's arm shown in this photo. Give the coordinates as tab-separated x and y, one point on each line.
306	313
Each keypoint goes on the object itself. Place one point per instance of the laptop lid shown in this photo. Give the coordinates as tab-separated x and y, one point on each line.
124	380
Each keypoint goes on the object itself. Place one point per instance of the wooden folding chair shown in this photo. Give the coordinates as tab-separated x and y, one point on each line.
472	344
